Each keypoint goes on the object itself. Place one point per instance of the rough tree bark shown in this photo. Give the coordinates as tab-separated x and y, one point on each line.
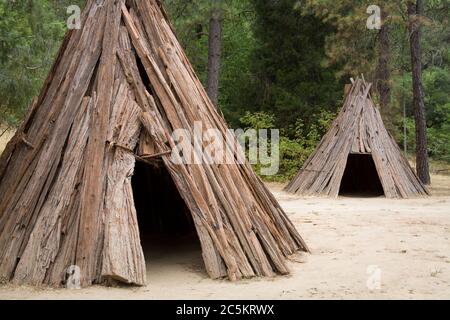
415	11
215	45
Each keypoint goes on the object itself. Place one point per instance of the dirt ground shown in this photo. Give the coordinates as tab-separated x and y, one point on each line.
371	248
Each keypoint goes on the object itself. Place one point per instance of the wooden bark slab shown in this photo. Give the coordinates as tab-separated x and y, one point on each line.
358	129
118	90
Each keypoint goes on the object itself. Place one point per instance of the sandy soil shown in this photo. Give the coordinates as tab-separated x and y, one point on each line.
5	137
357	244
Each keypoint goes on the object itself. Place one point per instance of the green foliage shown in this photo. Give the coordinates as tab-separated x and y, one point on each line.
293	151
236	74
272	57
292	157
438	139
288	63
191	21
258	120
437	95
312	133
437	100
30	34
351	45
284	63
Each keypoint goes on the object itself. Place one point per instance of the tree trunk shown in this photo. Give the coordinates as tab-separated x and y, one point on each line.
215	44
415	11
383	70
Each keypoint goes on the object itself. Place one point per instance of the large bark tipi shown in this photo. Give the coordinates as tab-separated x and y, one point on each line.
120	86
358	156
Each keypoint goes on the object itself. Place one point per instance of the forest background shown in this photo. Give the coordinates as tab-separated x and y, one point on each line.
283	63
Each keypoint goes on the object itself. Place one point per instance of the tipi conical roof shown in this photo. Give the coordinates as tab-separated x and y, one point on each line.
119	88
357	130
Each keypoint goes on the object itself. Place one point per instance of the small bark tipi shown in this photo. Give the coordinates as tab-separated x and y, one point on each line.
358	156
120	86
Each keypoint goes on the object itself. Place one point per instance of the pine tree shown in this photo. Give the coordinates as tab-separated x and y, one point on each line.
288	62
415	13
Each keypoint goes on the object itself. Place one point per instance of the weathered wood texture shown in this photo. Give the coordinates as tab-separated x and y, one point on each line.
119	88
358	129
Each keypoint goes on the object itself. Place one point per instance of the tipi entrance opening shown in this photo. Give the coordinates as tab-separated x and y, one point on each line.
166	226
361	177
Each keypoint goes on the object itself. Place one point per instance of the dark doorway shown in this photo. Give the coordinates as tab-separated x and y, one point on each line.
166	226
361	177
